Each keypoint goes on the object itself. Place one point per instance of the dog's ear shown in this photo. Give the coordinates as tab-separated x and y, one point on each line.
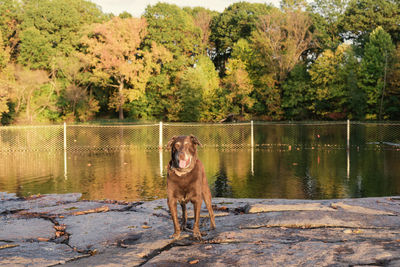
195	140
171	142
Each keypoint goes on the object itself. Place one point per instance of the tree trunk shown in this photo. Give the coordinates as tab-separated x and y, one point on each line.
121	100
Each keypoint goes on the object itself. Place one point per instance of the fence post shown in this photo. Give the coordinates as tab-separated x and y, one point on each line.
65	151
348	149
252	134
160	146
252	147
348	134
160	142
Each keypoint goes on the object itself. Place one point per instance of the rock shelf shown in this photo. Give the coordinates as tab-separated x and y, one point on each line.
49	230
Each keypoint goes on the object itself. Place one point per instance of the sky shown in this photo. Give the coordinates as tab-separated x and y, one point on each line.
137	7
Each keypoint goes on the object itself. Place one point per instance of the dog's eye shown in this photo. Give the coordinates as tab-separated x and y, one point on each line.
177	145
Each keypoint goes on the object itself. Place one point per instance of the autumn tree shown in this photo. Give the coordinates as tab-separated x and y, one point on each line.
202	19
10	20
281	38
239	87
4	92
114	54
32	94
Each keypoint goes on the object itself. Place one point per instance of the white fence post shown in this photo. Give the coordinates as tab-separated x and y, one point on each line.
348	134
252	134
348	149
252	147
160	142
65	151
160	148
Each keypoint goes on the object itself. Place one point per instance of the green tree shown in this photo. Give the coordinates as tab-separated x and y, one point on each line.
392	105
197	90
364	16
326	17
298	95
329	75
174	28
237	21
76	99
53	28
374	67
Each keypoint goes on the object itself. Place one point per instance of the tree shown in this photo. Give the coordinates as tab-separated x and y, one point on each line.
237	21
202	18
298	95
53	29
76	99
374	66
32	94
197	90
326	17
114	54
392	105
329	75
364	16
173	28
4	90
281	39
239	86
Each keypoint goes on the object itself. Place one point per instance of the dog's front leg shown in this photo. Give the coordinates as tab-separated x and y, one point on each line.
184	216
174	215
196	227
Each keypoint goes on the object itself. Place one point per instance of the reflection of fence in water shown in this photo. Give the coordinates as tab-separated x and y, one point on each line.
328	135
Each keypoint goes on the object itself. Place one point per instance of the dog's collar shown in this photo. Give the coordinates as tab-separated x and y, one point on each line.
180	172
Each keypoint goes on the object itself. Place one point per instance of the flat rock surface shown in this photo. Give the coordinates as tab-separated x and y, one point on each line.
63	230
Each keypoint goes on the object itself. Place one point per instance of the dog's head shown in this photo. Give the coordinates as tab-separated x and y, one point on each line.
183	151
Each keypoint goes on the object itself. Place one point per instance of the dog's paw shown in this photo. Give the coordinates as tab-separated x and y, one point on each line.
197	235
176	236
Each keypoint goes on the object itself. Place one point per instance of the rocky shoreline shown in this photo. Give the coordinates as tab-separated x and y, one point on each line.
50	230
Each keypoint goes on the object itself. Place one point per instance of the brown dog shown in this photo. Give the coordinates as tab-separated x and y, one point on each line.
186	181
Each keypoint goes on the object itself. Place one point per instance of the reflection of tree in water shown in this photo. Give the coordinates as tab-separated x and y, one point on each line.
221	185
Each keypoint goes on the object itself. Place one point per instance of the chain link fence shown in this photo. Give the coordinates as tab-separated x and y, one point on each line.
261	135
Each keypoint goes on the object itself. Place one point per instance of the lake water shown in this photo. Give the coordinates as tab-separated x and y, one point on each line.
132	175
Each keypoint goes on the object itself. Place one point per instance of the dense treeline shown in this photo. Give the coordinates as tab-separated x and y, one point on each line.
65	60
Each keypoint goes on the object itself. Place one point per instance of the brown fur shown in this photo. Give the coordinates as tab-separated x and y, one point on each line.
186	181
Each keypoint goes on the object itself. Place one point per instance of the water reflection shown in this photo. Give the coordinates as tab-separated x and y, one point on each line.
136	174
